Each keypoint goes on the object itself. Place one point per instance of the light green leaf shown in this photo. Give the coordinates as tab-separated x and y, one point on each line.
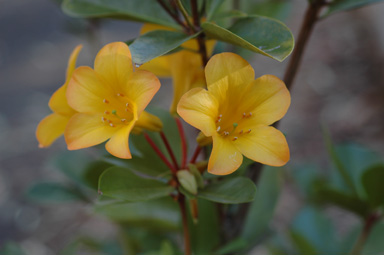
262	35
162	214
156	43
136	10
122	183
373	183
345	5
50	192
229	191
262	208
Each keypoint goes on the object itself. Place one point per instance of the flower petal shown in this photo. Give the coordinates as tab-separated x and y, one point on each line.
85	130
72	62
229	64
266	145
225	157
114	64
50	128
149	122
141	87
118	144
199	109
187	73
85	92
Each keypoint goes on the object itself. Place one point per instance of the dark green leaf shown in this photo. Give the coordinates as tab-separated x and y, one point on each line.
345	5
205	234
122	183
49	192
159	213
374	244
136	10
229	191
92	172
156	43
212	7
373	183
262	35
236	245
261	210
302	244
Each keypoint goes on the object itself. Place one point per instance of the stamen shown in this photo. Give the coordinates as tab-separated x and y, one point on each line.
106	112
221	115
103	119
249	131
244	115
111	124
126	109
226	133
218	128
250	115
123	120
109	121
105	101
119	95
241	132
127	104
114	112
234	139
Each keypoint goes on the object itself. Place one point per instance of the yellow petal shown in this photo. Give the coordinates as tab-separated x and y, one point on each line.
141	87
85	130
264	144
187	73
58	102
225	157
118	144
85	92
149	122
237	69
114	64
50	128
199	109
147	27
268	100
72	62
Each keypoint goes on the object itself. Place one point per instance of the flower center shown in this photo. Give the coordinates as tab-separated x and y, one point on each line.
233	127
118	110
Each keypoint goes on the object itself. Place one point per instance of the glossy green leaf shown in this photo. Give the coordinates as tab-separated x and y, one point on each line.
373	183
262	35
205	234
50	192
122	183
158	214
156	43
345	5
229	191
136	10
262	208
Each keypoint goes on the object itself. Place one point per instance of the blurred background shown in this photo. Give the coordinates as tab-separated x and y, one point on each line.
340	84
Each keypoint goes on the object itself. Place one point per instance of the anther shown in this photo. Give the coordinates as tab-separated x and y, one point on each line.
226	133
244	115
127	104
241	132
123	120
221	115
119	95
249	131
109	121
126	109
250	114
105	101
218	128
234	139
106	112
111	124
103	119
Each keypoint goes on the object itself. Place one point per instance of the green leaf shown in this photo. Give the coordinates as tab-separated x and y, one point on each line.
374	243
262	35
92	173
263	206
302	244
205	235
373	183
187	181
50	192
136	10
229	191
122	183
345	5
236	245
161	214
212	7
156	43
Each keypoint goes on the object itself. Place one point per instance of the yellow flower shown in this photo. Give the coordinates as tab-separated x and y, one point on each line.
109	100
53	126
185	66
236	112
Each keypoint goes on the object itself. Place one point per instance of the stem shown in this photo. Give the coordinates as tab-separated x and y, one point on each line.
195	154
368	225
159	153
183	211
310	18
201	37
183	143
185	15
172	14
169	149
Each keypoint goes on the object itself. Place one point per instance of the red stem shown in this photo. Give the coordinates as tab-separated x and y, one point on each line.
195	154
169	149
159	153
183	143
